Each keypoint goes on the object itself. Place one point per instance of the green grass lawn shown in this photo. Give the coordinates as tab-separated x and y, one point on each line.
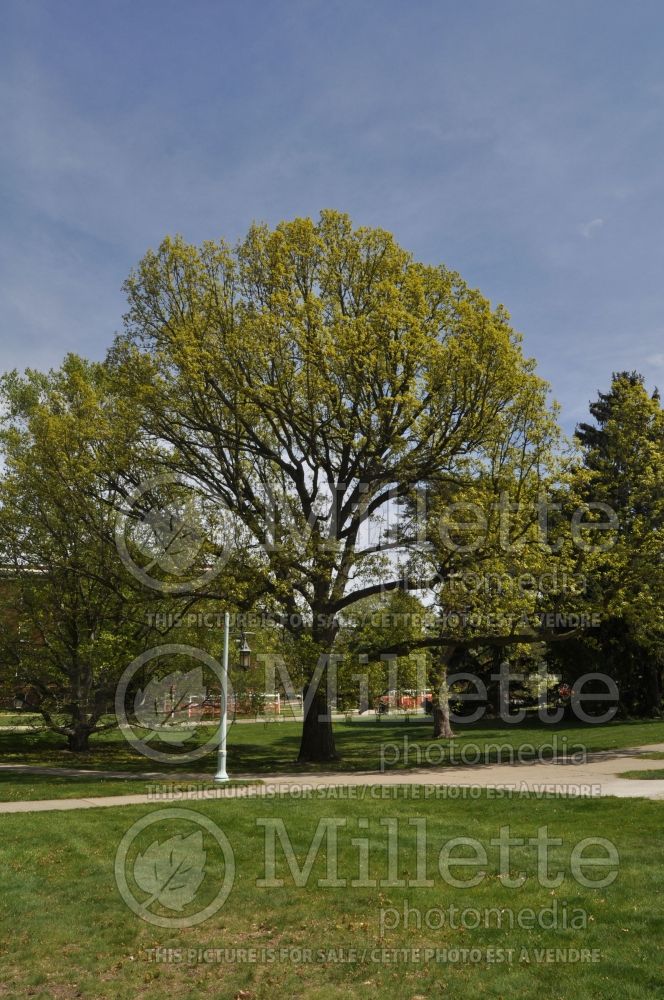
657	775
31	787
67	932
271	748
8	719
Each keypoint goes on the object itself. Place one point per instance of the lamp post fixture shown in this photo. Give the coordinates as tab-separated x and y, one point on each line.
245	652
245	662
222	775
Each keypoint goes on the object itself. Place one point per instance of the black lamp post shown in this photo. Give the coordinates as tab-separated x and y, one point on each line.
245	652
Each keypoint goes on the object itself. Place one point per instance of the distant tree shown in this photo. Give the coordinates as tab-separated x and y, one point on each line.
500	539
71	619
623	454
374	622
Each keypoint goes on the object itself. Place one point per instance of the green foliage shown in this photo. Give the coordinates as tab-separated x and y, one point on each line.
73	620
373	624
322	366
623	472
624	462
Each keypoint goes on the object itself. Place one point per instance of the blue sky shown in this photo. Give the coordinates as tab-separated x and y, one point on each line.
518	141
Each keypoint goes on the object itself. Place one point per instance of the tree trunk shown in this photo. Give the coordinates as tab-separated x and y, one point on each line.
78	740
441	720
653	691
440	696
317	743
494	705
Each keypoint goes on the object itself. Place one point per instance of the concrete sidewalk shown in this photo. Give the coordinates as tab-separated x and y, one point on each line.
598	775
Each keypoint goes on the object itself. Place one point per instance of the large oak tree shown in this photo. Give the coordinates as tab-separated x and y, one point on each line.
309	379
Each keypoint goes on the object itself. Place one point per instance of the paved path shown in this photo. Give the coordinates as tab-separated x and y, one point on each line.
598	775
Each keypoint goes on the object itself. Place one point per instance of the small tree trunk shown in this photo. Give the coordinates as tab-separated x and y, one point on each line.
493	686
653	690
441	720
440	696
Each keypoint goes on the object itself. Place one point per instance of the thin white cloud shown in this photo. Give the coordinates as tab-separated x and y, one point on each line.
588	228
